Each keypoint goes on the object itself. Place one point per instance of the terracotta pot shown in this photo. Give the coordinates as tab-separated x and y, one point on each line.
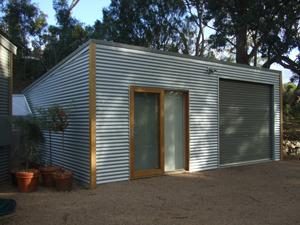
63	180
27	180
47	173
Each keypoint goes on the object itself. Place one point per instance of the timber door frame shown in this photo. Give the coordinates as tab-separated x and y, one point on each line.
156	172
151	172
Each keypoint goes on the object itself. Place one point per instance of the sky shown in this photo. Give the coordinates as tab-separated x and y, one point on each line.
88	11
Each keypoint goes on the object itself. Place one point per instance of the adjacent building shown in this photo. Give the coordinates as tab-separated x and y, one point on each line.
7	50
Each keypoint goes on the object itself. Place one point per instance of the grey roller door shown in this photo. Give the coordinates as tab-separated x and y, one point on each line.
245	121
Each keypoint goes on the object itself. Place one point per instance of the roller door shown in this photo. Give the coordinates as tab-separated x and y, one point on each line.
245	121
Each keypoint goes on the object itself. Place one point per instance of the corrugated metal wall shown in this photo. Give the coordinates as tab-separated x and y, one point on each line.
5	74
118	68
4	80
4	163
68	86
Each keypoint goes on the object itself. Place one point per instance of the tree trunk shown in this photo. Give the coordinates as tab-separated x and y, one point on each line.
241	35
241	46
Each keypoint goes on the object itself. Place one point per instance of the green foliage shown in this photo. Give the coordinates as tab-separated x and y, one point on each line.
64	38
24	23
59	118
291	112
259	32
53	119
269	29
30	138
291	108
150	23
21	20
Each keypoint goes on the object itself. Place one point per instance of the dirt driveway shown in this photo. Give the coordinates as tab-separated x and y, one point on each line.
259	194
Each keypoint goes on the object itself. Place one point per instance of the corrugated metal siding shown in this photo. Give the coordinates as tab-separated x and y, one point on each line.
5	74
4	162
68	86
4	95
118	68
4	42
4	80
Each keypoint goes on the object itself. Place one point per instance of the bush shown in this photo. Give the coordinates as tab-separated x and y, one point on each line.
30	138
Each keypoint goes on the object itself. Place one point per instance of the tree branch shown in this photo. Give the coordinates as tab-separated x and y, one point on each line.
188	5
73	4
289	64
269	62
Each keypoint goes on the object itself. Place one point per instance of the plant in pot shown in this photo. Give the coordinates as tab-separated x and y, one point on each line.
63	180
30	137
48	122
60	121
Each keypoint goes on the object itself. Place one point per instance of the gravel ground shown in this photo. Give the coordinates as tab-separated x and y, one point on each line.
264	194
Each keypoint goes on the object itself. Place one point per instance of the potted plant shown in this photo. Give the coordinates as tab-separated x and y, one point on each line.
47	120
59	121
30	137
63	180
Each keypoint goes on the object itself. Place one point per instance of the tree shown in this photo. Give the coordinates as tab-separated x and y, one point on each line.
150	23
255	27
64	38
263	28
24	22
290	111
96	31
197	20
280	35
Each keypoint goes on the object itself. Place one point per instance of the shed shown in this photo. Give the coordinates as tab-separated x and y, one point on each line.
138	112
7	50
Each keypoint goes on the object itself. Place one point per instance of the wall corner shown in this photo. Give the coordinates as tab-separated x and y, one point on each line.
281	115
10	81
92	112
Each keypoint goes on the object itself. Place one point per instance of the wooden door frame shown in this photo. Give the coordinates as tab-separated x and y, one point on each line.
151	172
156	172
187	130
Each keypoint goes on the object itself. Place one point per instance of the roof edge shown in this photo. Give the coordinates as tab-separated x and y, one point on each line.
150	50
49	72
6	43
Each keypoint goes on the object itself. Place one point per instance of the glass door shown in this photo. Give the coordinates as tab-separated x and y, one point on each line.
175	130
147	157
